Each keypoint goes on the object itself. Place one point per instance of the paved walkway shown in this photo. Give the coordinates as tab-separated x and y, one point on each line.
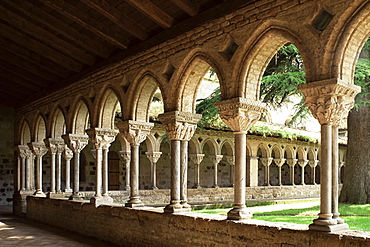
16	231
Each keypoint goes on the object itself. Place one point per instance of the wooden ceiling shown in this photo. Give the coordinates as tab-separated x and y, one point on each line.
48	44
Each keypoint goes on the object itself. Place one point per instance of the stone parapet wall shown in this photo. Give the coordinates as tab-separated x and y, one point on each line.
132	227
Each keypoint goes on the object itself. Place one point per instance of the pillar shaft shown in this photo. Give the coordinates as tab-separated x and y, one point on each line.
52	173
184	173
105	171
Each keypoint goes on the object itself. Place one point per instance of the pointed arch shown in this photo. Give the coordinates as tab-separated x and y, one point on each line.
24	133
265	150
212	145
105	112
290	152
228	145
39	128
302	153
278	152
80	120
57	123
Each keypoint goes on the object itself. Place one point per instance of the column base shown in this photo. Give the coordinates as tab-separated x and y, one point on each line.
39	194
68	190
134	202
239	214
185	204
175	208
75	197
98	200
197	187
215	186
127	188
52	195
154	188
328	228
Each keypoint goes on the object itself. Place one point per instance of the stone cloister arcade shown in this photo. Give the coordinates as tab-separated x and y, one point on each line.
63	123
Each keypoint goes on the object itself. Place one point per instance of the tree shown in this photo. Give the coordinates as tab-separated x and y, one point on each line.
356	183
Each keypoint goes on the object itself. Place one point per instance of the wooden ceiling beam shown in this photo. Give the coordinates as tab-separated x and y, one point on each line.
187	6
39	48
89	23
8	86
45	37
116	16
19	81
31	61
58	26
153	12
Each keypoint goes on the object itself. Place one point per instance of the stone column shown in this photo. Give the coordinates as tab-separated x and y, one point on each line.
102	139
329	102
58	183
313	164
266	162
197	159
38	149
215	160
335	173
279	162
180	127
153	158
29	169
22	167
231	160
126	155
252	171
302	164
68	155
52	144
76	142
240	114
135	133
291	164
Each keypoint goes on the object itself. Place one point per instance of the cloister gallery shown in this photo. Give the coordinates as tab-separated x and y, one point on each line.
80	167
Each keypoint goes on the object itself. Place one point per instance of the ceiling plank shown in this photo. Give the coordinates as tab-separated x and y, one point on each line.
116	16
187	6
31	61
24	73
8	86
60	27
153	12
89	23
19	81
39	48
45	37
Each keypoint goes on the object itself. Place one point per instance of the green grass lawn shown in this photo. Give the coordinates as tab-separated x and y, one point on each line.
356	216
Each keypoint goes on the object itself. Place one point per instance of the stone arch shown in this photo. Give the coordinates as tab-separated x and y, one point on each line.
24	133
106	108
140	96
194	146
228	146
264	151
195	67
57	123
277	152
212	145
301	153
39	128
339	60
290	152
267	40
80	121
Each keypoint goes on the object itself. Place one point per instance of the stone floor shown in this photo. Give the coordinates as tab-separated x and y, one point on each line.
16	231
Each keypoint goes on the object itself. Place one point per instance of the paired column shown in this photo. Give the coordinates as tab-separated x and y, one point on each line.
313	164
135	133
216	158
39	150
197	159
266	162
68	155
76	142
126	155
329	102
231	160
180	128
55	147
291	164
302	164
279	162
252	171
240	114
102	139
21	167
153	158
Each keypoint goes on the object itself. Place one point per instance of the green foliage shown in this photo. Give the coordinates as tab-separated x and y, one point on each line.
362	76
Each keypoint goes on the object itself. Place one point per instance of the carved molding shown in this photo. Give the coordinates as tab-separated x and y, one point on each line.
54	145
126	155
179	125
329	100
215	158
102	138
313	163
291	162
302	163
38	148
279	161
153	156
196	158
76	142
22	151
67	154
240	113
135	132
266	161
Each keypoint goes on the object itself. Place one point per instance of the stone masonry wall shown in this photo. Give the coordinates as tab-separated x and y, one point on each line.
133	227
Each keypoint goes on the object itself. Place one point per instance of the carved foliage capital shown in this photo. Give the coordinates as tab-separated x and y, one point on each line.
126	155
230	159
240	113
135	132
291	162
54	145
76	142
266	161
67	154
216	158
153	156
102	138
196	158
302	163
38	148
279	161
22	150
179	125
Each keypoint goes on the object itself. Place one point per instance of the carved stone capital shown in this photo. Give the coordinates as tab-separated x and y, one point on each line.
102	138
38	148
135	132
240	113
302	163
179	125
196	158
329	100
54	144
291	162
67	154
22	150
279	161
230	159
313	163
266	161
76	142
126	155
215	158
153	156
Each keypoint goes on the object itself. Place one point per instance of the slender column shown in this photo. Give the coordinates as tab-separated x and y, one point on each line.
21	167
335	174
197	159
76	143
39	149
252	171
302	164
240	114
102	139
215	160
52	144
68	155
313	164
135	132
180	127
329	102
231	160
28	164
291	163
279	162
266	162
126	155
153	158
59	154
